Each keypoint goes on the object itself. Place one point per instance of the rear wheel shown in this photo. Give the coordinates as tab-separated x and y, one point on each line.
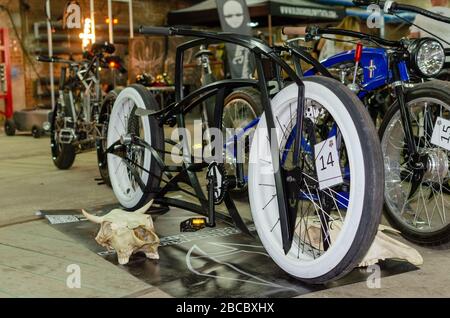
335	214
241	114
417	200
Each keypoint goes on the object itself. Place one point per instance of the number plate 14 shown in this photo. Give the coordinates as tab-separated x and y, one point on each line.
327	163
441	133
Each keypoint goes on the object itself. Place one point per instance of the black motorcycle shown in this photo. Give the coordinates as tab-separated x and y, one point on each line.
77	121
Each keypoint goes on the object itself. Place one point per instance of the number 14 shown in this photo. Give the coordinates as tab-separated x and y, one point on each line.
330	161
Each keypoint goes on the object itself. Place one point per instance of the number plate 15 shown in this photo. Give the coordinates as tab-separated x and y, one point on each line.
441	133
327	163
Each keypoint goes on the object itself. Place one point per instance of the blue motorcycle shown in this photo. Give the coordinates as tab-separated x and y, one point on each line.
394	79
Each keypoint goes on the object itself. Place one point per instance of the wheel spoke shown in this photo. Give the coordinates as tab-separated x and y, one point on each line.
423	203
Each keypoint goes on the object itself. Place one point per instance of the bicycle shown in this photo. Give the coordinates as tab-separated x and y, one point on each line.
77	121
299	162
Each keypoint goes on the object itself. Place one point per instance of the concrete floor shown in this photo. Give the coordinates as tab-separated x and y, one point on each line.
34	256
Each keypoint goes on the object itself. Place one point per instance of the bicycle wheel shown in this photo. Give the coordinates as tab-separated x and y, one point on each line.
63	154
133	172
241	114
336	213
101	141
10	127
417	199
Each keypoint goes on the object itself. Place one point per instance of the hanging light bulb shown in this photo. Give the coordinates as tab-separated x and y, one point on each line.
87	37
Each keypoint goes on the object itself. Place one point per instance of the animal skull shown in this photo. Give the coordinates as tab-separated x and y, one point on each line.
127	233
383	246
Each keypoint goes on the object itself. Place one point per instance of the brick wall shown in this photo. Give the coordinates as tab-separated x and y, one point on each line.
150	12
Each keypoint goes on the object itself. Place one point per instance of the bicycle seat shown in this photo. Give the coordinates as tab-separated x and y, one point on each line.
55	59
203	52
103	48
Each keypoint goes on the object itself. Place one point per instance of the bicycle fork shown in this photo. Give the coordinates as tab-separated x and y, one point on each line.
400	76
287	201
417	161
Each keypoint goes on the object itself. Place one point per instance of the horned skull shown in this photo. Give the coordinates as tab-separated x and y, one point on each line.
127	233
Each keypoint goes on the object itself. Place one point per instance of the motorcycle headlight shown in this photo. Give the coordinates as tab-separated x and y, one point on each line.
427	57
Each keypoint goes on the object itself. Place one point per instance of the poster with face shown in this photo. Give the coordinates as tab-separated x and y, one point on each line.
235	18
233	13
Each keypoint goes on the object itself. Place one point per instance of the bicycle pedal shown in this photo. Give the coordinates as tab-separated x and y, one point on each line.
192	224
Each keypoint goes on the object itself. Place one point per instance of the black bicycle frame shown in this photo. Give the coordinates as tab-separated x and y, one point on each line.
220	89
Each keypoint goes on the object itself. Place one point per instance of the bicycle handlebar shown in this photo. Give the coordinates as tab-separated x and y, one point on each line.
53	59
246	41
298	31
150	30
45	58
392	6
311	31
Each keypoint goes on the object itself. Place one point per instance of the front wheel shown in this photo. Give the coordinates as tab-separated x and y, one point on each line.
10	127
334	192
417	190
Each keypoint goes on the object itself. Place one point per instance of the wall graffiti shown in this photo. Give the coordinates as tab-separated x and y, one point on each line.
146	56
156	55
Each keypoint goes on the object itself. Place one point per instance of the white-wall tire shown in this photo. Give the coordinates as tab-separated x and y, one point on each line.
134	96
366	184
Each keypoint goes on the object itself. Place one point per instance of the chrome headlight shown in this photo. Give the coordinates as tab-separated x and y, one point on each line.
427	57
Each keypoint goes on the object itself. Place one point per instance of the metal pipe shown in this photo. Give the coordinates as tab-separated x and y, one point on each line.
269	23
130	11
91	7
110	24
50	53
